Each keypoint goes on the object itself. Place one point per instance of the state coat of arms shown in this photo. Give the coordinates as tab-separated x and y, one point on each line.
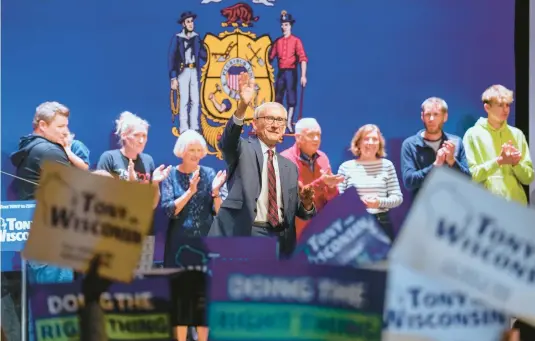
226	55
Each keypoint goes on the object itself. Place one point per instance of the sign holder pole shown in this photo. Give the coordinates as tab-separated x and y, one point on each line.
91	316
24	301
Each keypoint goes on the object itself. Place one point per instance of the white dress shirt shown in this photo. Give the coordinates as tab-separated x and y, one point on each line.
262	202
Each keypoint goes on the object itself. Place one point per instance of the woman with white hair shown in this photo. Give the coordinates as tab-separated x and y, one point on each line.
129	162
190	197
191	193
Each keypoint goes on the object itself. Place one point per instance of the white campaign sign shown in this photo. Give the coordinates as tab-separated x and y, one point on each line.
418	307
80	215
472	240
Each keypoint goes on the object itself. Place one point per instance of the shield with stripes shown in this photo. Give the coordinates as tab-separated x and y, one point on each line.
233	75
231	53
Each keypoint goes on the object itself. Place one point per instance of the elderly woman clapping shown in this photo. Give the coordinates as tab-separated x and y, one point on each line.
190	194
191	198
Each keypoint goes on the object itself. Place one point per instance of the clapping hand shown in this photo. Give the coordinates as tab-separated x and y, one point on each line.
160	174
131	172
306	194
219	180
371	201
449	151
331	179
514	154
194	181
515	158
509	154
440	158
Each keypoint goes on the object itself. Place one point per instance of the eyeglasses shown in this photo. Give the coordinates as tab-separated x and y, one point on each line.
274	120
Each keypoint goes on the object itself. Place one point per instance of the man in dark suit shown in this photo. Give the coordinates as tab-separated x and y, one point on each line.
264	195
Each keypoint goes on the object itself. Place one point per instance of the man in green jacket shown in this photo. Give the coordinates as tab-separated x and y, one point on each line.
498	154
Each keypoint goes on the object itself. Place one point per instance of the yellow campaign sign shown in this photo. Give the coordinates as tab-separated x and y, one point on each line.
79	215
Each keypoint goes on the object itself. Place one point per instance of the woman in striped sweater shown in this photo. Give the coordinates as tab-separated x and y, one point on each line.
372	175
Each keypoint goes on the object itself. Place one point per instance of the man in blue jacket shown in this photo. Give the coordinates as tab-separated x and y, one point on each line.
431	147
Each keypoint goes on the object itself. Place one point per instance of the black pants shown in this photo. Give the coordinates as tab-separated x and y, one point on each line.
188	296
285	247
385	223
258	231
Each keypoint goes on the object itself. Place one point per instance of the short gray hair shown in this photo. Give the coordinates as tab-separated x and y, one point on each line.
185	139
47	111
435	101
127	121
308	123
269	105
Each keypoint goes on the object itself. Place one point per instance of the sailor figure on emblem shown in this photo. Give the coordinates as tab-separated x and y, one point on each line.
186	52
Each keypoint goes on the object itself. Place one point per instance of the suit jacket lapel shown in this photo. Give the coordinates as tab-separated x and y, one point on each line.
259	157
283	175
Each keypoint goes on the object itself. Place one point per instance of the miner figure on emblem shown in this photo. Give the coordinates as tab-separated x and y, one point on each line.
290	51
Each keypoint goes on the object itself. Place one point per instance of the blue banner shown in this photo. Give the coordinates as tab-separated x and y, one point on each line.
281	301
15	222
343	233
136	311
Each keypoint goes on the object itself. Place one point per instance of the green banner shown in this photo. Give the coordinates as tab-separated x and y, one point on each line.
248	320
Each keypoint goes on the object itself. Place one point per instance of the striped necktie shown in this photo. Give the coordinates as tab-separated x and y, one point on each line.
273	208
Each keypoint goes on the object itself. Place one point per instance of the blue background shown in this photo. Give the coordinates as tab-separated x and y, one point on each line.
10	258
369	62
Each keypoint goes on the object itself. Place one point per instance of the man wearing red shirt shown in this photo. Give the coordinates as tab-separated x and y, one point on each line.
313	166
289	51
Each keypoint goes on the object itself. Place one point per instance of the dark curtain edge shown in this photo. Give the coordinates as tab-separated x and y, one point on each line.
521	51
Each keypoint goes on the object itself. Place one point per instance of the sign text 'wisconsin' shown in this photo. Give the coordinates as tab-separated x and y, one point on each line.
477	242
80	215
